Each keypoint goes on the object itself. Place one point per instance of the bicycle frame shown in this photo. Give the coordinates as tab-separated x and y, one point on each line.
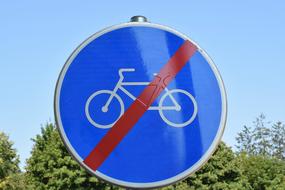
120	85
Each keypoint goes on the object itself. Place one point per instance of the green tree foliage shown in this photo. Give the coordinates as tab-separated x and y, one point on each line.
245	140
221	172
262	139
263	172
258	165
9	159
262	136
10	176
51	166
261	154
278	140
14	181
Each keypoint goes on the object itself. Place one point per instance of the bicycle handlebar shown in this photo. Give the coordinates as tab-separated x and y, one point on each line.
127	70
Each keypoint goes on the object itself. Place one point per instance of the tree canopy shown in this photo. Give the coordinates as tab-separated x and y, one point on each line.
258	164
263	138
51	166
10	176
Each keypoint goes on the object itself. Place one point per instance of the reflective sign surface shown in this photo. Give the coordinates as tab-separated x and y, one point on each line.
175	134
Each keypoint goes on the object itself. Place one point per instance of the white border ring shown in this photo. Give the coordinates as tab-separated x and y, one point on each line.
162	183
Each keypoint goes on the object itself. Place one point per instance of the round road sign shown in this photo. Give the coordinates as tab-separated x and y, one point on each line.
140	105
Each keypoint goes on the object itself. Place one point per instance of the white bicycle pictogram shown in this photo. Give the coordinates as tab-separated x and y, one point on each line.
160	108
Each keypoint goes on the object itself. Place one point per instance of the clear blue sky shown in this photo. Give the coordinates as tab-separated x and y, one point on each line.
244	38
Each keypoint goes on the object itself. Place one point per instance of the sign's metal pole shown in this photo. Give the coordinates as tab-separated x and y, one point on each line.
139	18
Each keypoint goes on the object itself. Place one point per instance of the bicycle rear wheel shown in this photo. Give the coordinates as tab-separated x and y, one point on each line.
166	117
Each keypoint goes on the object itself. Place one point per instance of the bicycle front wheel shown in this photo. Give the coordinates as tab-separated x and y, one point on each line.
98	114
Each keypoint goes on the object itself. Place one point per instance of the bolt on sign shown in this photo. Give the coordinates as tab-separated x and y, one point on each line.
140	105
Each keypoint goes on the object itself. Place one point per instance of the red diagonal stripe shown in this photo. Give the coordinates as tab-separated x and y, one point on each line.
120	129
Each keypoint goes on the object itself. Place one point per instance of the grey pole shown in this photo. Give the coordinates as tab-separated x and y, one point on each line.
139	18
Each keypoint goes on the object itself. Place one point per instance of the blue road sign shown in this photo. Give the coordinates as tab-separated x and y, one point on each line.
140	105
